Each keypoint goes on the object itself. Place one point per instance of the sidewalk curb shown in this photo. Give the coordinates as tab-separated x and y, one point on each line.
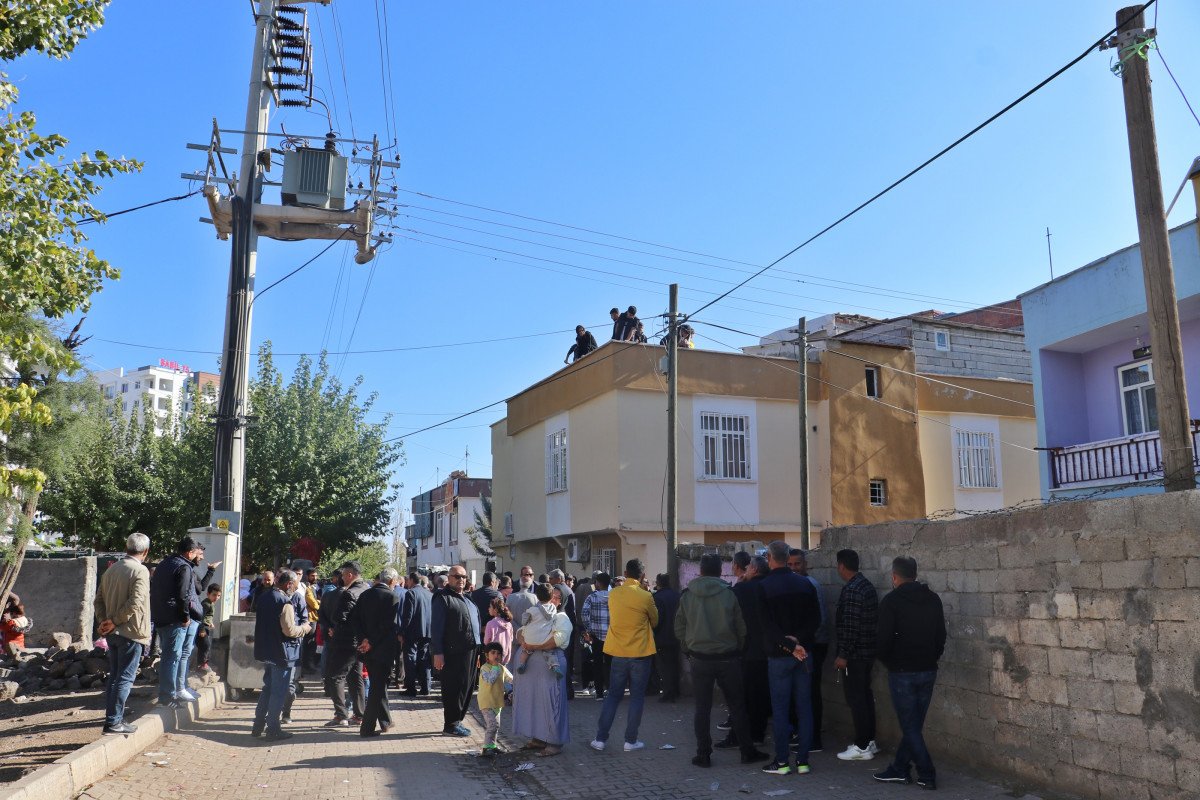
76	771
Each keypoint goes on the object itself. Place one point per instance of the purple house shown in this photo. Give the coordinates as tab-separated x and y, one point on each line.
1093	372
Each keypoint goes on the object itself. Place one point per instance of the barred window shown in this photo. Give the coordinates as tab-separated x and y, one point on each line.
878	492
976	456
726	445
556	462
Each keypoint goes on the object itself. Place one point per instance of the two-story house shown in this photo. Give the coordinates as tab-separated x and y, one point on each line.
1094	373
579	462
443	519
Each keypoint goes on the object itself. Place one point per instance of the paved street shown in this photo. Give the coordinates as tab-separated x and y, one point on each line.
217	758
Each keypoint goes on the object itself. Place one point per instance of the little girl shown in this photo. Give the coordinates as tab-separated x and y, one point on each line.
499	628
13	626
537	627
493	676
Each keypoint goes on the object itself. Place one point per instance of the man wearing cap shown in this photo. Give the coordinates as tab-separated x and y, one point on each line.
173	606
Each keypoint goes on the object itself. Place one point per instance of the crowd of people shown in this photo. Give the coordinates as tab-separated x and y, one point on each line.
511	643
626	328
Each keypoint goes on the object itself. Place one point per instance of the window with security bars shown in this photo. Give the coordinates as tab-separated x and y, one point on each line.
976	456
556	462
878	490
726	446
606	560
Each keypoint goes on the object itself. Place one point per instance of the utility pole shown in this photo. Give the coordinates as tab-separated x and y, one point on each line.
802	357
673	437
229	450
1158	273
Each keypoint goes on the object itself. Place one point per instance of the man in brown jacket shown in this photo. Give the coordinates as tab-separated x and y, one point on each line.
123	608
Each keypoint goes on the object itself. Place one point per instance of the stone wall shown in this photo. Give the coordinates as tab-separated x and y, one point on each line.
1073	663
58	595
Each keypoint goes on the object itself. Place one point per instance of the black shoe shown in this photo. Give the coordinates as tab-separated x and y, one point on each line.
668	698
702	761
892	775
120	729
728	743
278	736
370	733
754	756
409	693
727	725
927	783
816	748
257	729
286	720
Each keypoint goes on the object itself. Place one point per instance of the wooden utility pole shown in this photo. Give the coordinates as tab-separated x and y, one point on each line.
802	357
1157	270
673	438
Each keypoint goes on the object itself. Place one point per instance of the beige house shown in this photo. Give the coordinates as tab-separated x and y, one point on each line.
579	463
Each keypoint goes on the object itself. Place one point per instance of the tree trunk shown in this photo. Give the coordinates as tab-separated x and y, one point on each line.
12	567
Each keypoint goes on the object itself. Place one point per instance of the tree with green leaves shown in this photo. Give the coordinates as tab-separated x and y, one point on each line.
314	465
372	557
47	271
480	534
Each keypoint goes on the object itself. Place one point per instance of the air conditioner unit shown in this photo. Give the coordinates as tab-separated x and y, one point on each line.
314	177
578	550
508	525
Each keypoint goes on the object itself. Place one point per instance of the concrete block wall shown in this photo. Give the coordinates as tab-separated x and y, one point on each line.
58	595
1072	664
973	353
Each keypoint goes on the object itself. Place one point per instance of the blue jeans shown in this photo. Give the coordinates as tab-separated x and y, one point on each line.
189	642
124	657
625	672
170	641
276	682
791	687
911	693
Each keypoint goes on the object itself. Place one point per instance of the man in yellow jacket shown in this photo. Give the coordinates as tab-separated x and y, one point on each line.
632	616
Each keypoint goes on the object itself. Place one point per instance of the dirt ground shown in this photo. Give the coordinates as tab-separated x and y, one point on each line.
39	729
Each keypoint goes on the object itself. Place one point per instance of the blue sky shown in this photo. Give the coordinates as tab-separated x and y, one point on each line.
735	130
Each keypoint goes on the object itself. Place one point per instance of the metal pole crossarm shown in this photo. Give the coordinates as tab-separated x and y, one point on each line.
282	135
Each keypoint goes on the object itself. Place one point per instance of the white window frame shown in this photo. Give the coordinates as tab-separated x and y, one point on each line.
438	537
606	560
975	458
453	536
556	461
877	493
941	339
1140	389
873	374
725	446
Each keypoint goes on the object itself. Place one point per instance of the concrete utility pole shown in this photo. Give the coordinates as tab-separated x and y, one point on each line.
802	357
229	450
673	437
1157	270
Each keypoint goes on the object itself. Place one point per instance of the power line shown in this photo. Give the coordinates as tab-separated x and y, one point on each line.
921	166
324	250
886	291
110	215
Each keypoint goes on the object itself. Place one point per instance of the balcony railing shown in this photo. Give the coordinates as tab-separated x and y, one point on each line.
1125	460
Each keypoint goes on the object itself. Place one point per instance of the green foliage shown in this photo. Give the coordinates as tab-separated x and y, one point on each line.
480	534
372	556
314	465
46	268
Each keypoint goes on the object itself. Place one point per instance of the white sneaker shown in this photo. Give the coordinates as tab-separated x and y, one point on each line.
854	753
186	695
631	746
874	748
596	744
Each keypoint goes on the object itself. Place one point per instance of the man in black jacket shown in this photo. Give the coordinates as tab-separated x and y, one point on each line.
374	622
912	637
454	642
414	635
342	667
484	595
666	645
173	606
790	618
857	621
584	344
756	693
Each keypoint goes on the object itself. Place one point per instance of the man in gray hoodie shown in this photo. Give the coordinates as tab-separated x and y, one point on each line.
712	632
